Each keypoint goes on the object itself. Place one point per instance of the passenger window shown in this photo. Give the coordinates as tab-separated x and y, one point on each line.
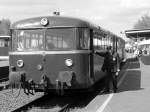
2	43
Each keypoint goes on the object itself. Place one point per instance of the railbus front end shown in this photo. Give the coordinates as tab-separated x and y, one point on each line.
53	56
56	53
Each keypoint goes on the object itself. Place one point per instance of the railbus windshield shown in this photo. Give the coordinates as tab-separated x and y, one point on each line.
43	39
50	39
60	39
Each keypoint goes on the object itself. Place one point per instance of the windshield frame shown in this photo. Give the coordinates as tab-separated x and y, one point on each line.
59	35
15	39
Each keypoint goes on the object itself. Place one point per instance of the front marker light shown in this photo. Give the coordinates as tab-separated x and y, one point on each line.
68	62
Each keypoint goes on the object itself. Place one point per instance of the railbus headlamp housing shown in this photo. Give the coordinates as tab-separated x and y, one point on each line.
39	67
20	63
69	62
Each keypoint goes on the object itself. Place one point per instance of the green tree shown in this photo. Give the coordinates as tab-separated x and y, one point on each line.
143	22
4	27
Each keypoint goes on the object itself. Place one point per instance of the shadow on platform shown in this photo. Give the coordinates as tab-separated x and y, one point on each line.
132	81
145	60
134	64
132	59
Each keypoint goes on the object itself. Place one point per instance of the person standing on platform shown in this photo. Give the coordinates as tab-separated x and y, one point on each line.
110	66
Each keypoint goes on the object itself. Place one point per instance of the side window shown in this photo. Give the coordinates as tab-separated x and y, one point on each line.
100	40
96	41
20	36
104	41
2	43
6	43
84	38
109	41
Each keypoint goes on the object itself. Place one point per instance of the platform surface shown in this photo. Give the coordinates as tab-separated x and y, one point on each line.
133	91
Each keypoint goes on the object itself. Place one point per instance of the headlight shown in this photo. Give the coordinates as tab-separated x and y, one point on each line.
68	62
114	59
39	67
20	63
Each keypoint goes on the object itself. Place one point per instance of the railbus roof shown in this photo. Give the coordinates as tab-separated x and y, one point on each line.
58	22
53	21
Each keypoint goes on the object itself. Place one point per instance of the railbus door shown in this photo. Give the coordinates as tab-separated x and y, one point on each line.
91	58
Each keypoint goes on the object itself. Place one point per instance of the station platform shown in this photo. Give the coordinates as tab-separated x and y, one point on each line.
134	91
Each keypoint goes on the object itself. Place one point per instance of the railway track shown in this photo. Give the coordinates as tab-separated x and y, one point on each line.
29	104
36	105
9	102
16	100
63	107
54	103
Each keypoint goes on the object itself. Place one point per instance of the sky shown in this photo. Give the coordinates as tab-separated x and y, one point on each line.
113	15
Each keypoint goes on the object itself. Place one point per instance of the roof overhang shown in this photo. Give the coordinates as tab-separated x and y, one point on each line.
5	37
138	33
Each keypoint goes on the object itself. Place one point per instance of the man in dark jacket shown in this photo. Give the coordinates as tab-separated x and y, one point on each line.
110	66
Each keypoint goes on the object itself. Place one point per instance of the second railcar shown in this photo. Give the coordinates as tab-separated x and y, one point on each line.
4	47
